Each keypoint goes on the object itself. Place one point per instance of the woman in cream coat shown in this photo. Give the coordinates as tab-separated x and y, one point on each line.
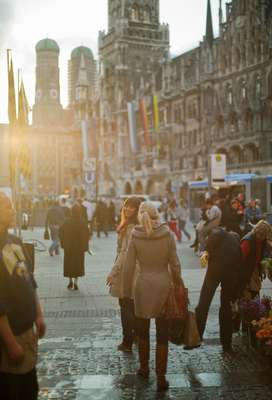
115	280
153	246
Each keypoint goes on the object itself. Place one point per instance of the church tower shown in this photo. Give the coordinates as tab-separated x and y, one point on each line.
130	54
47	109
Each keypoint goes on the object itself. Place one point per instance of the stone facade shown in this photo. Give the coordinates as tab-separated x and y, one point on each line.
214	98
135	45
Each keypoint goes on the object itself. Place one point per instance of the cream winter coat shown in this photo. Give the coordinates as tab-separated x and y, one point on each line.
117	287
156	254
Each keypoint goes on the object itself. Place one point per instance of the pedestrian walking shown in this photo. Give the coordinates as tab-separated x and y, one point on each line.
201	223
153	246
233	217
21	317
224	267
129	218
101	217
90	212
66	210
83	210
214	217
111	216
173	222
74	238
252	213
182	215
54	219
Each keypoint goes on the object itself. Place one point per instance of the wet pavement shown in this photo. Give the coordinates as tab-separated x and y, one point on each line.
78	357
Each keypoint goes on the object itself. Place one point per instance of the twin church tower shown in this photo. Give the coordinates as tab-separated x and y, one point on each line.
135	44
47	110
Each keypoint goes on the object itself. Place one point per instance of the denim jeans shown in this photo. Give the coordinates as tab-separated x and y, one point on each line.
54	233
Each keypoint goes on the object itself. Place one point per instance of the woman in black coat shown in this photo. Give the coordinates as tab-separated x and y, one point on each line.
74	239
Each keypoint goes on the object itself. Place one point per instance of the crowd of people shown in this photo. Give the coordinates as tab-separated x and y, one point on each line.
71	227
231	213
146	268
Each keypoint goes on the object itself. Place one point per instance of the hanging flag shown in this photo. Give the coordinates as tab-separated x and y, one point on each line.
144	119
155	112
24	154
12	120
11	92
23	107
132	127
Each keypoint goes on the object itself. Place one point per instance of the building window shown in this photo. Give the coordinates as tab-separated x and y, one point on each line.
229	94
135	14
243	90
258	88
147	15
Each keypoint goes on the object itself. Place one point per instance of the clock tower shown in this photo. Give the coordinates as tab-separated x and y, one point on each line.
47	109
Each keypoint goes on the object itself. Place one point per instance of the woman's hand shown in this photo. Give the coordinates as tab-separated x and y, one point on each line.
109	280
16	353
40	327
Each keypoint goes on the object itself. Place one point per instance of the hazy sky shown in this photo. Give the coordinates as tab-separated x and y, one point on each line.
73	23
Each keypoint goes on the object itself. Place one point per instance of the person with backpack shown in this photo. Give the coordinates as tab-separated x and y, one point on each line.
54	219
21	316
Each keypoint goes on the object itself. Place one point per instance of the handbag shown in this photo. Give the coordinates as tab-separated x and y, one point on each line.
176	329
176	306
46	235
191	335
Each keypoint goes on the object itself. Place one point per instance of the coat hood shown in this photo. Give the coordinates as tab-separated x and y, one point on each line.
158	233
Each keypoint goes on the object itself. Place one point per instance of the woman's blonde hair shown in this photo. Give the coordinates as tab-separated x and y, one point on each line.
148	216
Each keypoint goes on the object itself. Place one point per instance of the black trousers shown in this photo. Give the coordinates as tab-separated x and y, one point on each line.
143	326
19	387
212	280
102	227
128	320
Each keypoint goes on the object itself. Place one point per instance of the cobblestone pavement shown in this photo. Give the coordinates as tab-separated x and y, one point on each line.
78	358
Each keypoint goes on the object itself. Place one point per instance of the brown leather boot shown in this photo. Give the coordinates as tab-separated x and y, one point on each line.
143	349
161	367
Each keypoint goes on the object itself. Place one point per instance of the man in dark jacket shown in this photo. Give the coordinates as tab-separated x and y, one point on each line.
101	217
224	267
20	311
54	219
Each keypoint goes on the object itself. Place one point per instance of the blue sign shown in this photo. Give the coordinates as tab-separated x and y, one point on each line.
89	177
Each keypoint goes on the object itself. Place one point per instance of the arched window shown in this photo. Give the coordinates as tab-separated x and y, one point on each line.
243	90
229	94
258	87
135	13
147	14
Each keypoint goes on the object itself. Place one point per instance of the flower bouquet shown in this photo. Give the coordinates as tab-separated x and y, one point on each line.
263	329
266	265
252	309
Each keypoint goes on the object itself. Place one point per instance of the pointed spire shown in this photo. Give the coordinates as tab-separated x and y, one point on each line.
220	13
209	25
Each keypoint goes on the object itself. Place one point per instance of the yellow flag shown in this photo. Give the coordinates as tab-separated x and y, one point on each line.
25	164
155	112
12	115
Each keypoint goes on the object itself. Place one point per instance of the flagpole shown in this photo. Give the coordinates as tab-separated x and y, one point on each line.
11	151
18	183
